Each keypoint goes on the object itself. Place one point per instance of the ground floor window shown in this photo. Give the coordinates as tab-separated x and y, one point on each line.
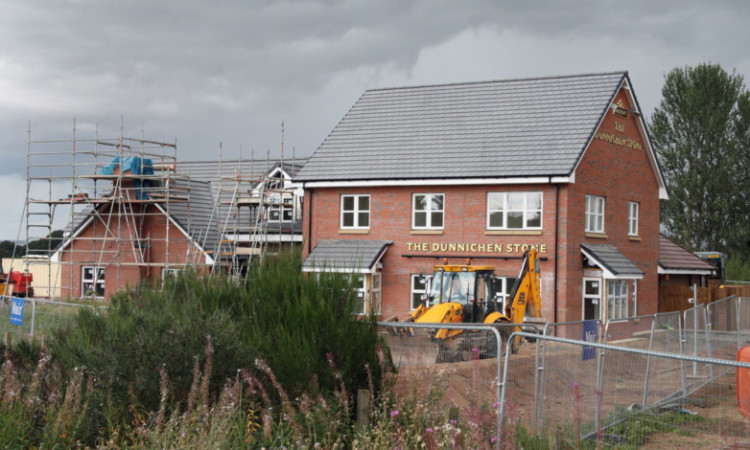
418	290
92	281
503	289
617	299
168	273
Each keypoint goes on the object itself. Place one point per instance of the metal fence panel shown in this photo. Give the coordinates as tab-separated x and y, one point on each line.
603	410
40	317
724	337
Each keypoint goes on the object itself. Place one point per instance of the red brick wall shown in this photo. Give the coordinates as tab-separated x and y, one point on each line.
94	246
621	175
464	218
618	173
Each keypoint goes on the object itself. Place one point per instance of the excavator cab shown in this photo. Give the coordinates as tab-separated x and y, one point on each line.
472	287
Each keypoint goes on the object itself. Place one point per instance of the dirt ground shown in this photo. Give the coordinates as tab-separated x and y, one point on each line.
570	391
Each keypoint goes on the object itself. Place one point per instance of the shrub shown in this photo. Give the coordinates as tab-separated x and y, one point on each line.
301	326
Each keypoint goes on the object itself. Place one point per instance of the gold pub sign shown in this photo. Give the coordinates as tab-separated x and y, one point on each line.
473	247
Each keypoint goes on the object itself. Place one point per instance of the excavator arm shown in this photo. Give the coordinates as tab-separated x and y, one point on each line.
525	295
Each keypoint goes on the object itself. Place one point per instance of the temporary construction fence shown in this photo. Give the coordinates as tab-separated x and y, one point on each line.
664	380
38	318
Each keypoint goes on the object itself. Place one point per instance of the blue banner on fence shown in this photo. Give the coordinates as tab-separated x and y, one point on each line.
590	334
16	311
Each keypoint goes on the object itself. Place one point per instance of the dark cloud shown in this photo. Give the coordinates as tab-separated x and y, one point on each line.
231	71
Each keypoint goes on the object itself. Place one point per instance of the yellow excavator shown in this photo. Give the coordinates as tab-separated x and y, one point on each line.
463	293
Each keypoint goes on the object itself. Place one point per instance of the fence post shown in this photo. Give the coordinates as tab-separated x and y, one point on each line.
648	363
363	407
33	317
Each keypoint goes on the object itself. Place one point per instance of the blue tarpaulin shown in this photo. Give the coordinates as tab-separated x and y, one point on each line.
136	166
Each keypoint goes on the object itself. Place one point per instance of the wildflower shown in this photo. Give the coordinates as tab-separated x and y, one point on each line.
495	405
494	439
429	430
394	413
453	422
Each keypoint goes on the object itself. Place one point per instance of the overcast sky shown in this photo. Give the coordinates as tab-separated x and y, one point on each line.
200	73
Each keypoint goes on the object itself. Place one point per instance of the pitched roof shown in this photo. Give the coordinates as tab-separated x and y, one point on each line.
511	128
234	178
608	258
350	255
196	216
675	258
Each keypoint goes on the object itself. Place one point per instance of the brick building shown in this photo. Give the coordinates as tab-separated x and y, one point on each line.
411	176
135	234
145	222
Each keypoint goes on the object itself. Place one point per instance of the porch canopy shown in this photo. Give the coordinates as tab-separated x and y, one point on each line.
614	264
346	255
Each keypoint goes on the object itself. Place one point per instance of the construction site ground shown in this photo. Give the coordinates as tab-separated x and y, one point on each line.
460	384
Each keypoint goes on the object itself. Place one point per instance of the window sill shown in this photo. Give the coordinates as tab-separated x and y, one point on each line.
635	238
513	232
345	231
590	234
427	232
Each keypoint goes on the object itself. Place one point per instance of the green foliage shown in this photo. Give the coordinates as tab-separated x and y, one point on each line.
737	269
6	249
301	326
700	131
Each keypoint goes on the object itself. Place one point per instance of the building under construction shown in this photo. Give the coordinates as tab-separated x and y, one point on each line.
133	213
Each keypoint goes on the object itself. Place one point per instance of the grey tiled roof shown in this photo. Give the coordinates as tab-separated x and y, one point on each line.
513	128
609	258
349	254
197	215
223	175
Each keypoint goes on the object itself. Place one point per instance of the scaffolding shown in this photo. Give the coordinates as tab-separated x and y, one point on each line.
124	222
131	212
258	208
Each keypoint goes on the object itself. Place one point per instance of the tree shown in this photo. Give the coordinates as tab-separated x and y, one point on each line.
700	132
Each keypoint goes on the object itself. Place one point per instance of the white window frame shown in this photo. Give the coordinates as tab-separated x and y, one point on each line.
169	272
417	292
88	283
355	212
595	207
503	294
361	291
633	212
526	212
617	300
597	297
429	211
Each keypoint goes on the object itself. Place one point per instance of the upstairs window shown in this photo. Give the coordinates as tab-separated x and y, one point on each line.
281	212
633	219
595	214
427	211
355	211
514	211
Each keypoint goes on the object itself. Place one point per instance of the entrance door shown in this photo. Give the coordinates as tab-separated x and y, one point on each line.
592	298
